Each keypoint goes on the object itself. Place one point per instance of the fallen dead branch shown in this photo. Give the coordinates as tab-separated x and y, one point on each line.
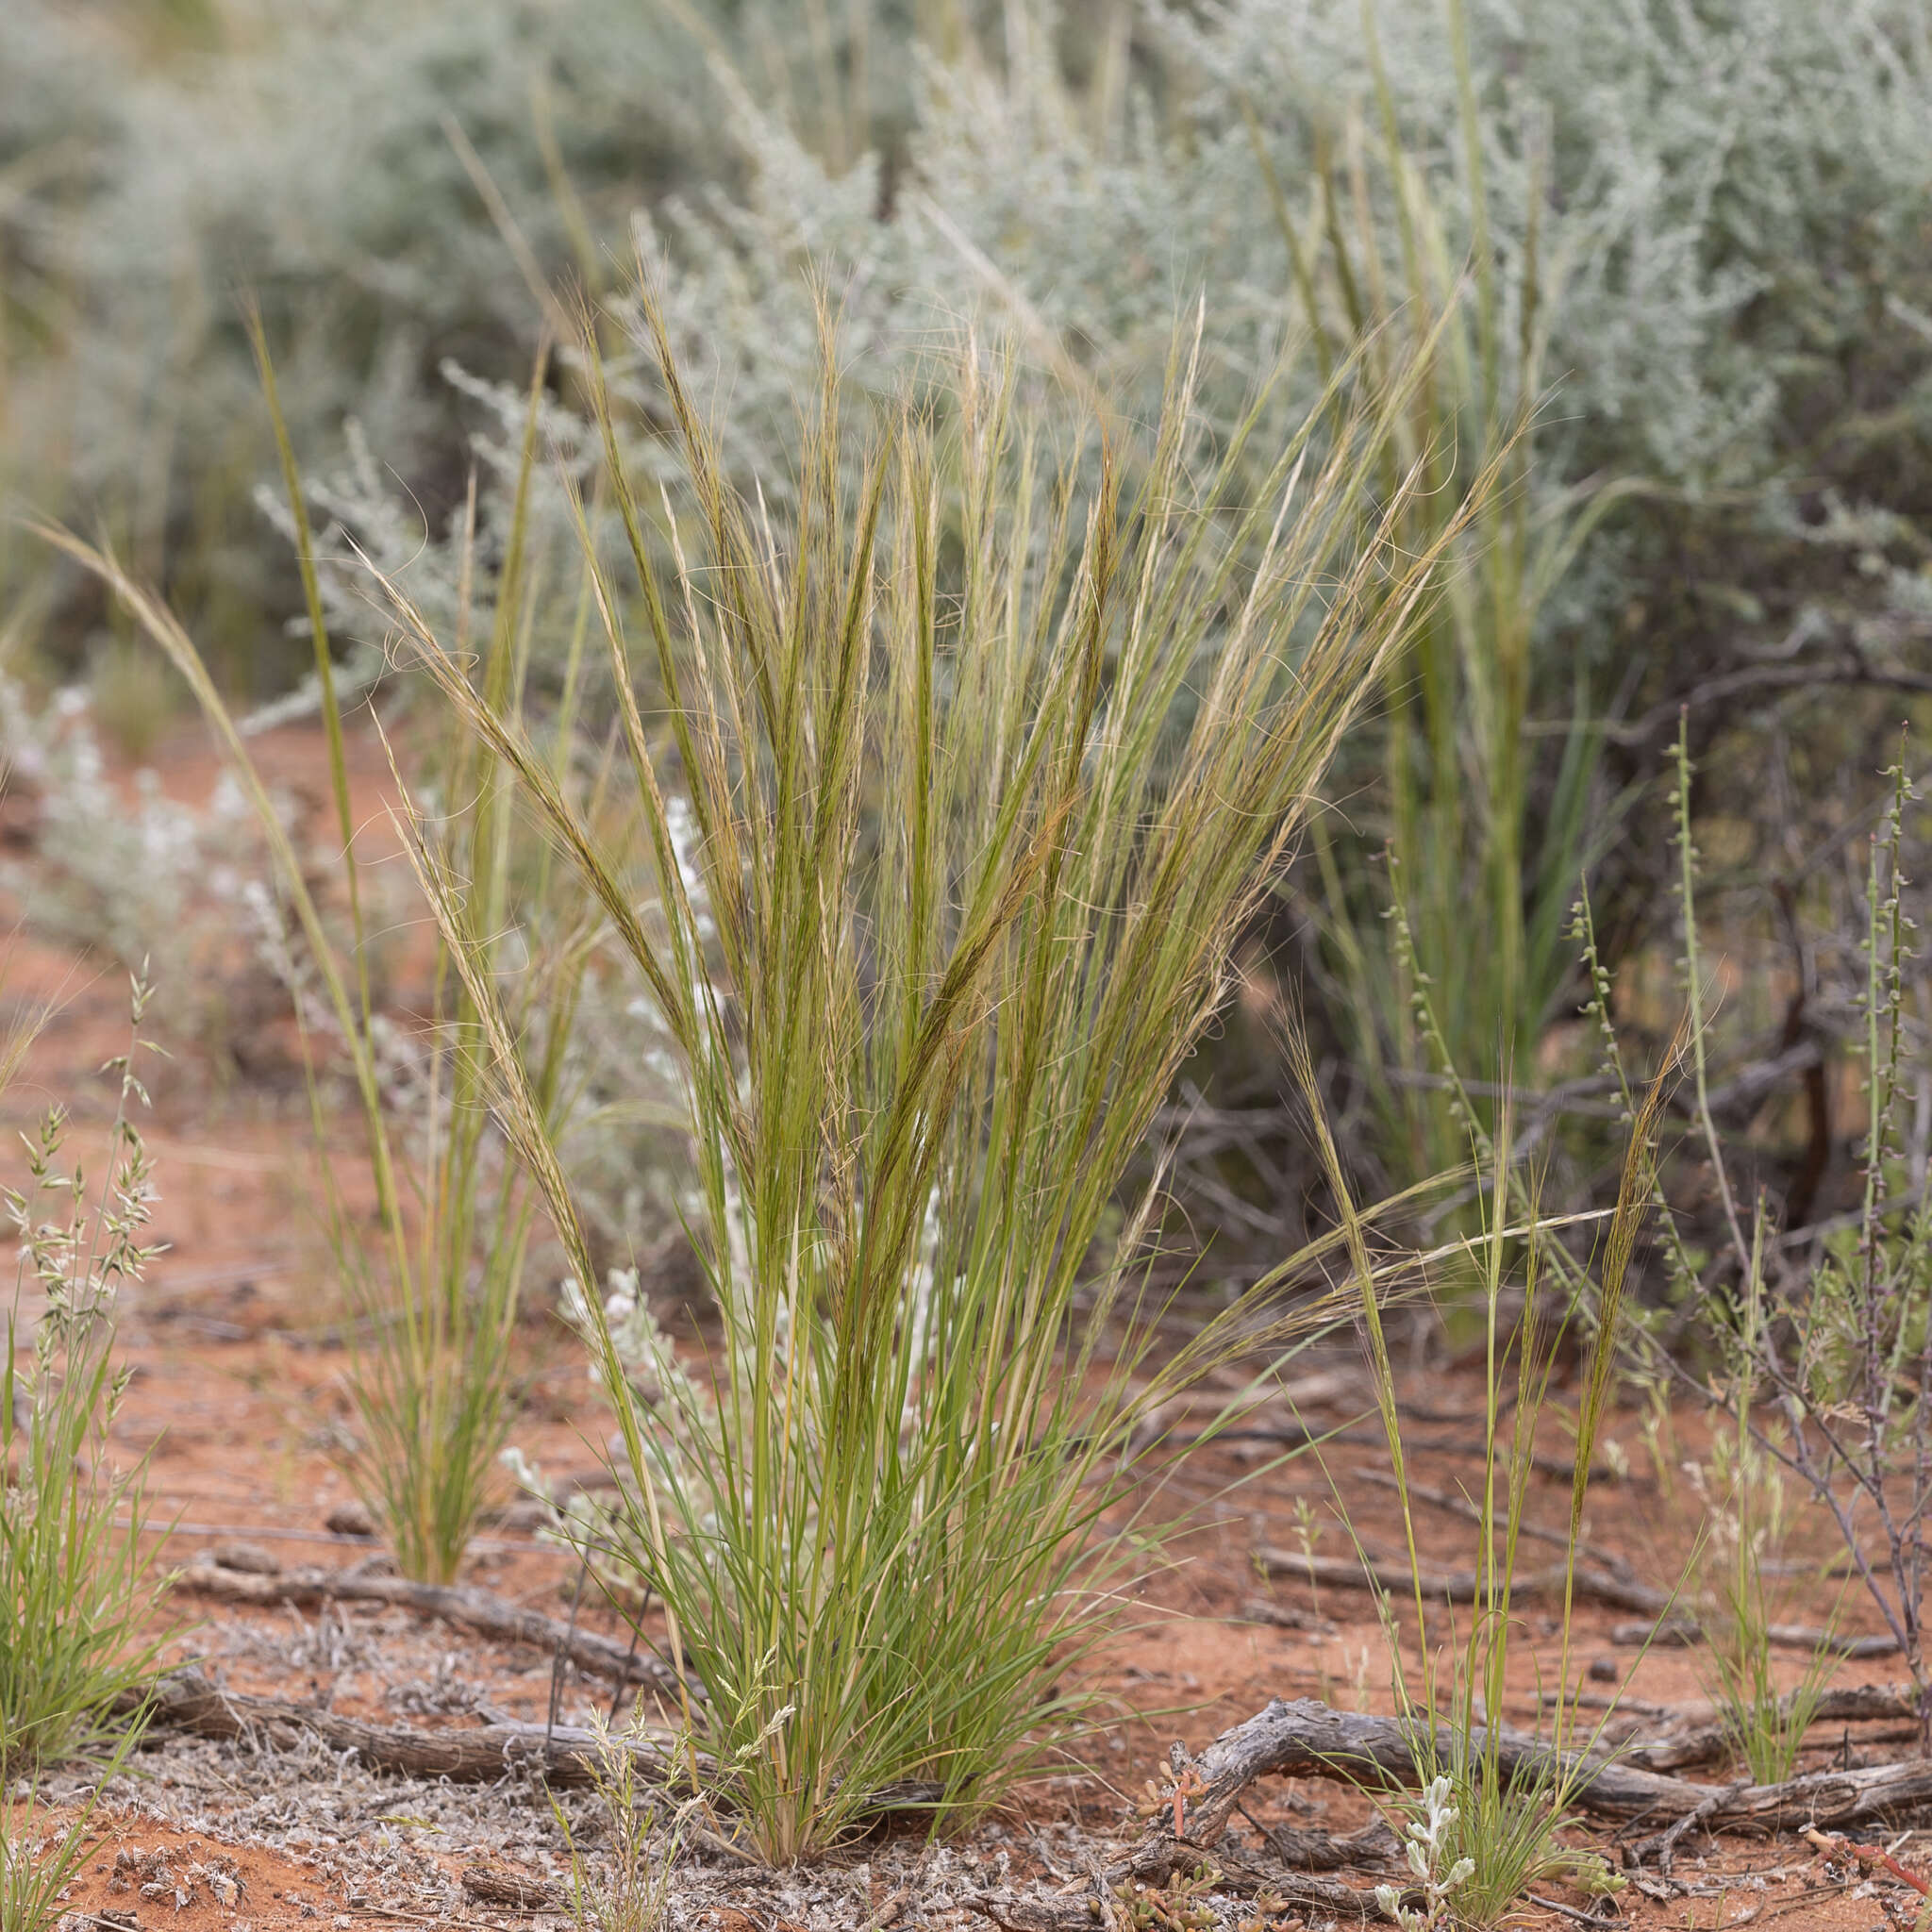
1306	1739
1593	1584
468	1608
1703	1741
1023	1912
1684	1632
566	1754
493	1885
1090	1905
1663	1847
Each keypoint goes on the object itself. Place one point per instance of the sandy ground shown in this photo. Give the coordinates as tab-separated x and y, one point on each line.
238	1401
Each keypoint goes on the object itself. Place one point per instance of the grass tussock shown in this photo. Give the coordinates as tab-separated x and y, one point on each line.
956	803
80	1583
1480	1837
434	1288
79	1576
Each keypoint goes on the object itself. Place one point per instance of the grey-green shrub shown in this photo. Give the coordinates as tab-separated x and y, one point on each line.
1726	195
149	174
1728	293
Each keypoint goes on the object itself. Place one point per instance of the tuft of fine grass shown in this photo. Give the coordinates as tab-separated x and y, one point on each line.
36	1867
134	697
79	1580
76	1586
1467	818
1480	1836
433	1368
640	1852
1764	1724
437	1288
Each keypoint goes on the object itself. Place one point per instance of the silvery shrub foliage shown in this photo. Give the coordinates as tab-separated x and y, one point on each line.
1727	197
299	152
1727	200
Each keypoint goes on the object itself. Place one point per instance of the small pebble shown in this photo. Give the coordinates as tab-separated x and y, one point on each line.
349	1519
251	1558
1603	1669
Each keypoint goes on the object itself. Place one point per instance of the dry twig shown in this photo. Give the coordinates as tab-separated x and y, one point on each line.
467	1607
1306	1739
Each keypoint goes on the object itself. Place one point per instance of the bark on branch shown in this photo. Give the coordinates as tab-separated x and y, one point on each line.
471	1609
1705	1740
1305	1738
566	1755
1593	1584
1089	1906
1685	1632
189	1700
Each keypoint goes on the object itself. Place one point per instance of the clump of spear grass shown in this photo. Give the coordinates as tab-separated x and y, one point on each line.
80	1583
957	806
81	1586
1466	817
436	1293
79	1579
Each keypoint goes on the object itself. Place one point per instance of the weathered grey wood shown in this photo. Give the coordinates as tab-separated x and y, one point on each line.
468	1608
1155	1862
1306	1739
1704	1742
493	1885
1593	1583
1685	1632
189	1700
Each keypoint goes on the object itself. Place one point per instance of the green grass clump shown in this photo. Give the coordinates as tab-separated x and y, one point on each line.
78	1580
134	697
432	1370
79	1584
78	1576
437	1289
1823	1377
956	802
37	1867
1465	817
1764	1724
641	1850
1480	1837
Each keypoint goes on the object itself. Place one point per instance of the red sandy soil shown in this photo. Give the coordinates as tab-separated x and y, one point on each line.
239	1400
